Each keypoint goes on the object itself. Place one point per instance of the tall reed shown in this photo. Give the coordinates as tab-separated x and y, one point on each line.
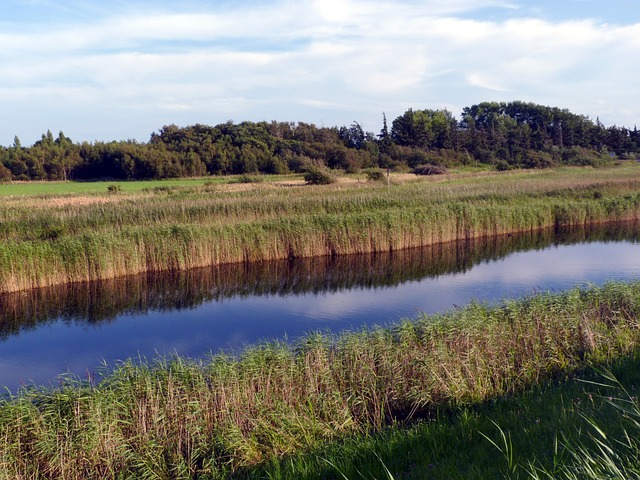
93	302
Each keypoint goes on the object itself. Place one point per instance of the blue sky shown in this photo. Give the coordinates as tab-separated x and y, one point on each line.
122	69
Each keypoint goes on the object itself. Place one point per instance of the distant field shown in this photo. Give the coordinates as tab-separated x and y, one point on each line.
100	187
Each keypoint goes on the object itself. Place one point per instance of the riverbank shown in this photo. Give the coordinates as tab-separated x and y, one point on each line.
182	419
60	238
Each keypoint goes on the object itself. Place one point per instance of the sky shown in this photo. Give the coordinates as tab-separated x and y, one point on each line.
118	70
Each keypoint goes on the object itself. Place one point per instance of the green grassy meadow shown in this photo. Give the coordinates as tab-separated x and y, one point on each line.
101	187
93	188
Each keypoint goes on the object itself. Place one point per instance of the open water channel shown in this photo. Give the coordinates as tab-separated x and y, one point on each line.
77	328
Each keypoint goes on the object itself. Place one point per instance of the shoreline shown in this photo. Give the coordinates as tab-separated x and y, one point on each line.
635	219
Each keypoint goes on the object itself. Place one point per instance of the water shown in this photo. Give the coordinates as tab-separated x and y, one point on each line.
76	328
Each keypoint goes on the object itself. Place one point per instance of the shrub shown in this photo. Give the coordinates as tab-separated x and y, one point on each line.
317	175
583	157
429	169
537	159
246	178
375	175
502	165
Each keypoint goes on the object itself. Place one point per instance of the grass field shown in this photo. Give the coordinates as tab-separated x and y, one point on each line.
44	188
93	188
69	237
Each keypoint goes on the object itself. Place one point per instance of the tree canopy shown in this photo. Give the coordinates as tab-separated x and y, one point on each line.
506	135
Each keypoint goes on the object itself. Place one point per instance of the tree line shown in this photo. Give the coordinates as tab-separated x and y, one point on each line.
504	135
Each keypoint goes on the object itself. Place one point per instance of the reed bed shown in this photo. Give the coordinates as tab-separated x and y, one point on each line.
553	431
45	241
175	418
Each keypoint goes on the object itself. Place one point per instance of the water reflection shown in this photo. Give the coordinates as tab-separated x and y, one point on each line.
74	327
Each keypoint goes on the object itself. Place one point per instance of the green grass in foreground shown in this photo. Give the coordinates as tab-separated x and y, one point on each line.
537	433
184	419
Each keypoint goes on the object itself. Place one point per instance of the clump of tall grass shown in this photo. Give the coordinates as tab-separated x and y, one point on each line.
597	454
181	419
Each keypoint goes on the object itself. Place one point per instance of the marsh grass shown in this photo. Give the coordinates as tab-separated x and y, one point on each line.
49	240
175	418
93	302
540	433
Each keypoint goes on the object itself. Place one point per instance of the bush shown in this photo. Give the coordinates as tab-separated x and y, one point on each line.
317	175
429	169
537	159
246	178
502	165
5	174
375	175
583	157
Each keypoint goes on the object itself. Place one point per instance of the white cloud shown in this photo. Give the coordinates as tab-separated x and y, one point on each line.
329	61
483	81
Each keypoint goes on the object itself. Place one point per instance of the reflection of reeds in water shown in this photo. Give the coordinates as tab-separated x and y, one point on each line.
103	300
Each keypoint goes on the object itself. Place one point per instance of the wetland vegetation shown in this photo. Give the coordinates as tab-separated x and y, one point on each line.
92	303
285	411
62	238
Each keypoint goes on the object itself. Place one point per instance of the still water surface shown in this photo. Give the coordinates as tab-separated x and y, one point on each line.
76	328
